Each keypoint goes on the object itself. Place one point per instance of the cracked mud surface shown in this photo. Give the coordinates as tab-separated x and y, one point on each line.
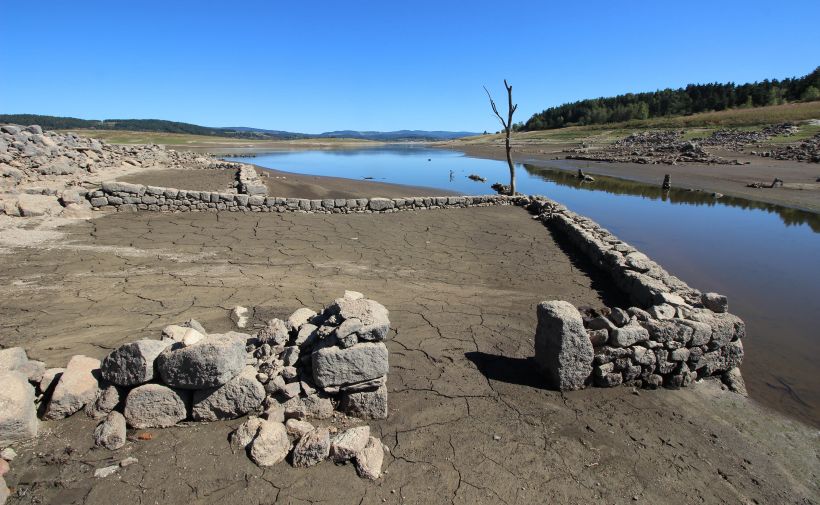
470	421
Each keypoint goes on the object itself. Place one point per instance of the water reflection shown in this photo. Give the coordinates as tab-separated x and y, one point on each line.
675	196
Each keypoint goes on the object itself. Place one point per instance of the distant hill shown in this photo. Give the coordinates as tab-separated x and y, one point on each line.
397	135
693	99
242	132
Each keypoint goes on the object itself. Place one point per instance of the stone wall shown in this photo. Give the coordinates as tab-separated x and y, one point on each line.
127	197
673	334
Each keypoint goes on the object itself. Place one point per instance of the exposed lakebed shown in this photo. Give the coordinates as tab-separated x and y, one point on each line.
763	257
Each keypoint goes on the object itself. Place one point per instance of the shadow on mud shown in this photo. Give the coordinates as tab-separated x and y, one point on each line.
521	371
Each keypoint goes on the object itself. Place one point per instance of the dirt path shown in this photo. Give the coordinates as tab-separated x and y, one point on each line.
470	421
727	179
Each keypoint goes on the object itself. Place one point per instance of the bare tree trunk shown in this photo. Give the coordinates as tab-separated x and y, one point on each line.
507	129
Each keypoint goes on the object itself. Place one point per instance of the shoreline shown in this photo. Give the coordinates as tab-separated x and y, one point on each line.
726	179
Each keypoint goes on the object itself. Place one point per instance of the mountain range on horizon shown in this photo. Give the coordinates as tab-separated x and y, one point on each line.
244	132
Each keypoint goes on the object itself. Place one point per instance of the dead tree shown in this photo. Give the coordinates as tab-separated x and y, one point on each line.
507	129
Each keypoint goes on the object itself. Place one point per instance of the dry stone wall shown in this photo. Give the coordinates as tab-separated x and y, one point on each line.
673	335
126	197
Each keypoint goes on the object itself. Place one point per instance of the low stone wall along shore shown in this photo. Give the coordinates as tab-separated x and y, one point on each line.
673	335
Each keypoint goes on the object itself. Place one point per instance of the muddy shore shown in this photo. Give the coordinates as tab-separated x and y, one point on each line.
280	183
726	179
470	420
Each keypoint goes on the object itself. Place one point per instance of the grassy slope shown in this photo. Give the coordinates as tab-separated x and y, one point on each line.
696	125
189	140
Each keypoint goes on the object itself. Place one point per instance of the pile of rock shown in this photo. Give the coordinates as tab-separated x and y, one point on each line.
43	172
807	150
249	181
307	366
736	140
652	147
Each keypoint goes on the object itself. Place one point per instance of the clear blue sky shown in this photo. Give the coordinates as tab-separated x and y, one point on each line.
315	66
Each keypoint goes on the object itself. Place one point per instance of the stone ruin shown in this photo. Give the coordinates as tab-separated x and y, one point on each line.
329	366
671	336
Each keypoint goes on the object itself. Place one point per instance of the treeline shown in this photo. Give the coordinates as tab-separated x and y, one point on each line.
140	125
692	99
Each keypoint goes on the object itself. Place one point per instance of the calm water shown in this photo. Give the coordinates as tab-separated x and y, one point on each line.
765	258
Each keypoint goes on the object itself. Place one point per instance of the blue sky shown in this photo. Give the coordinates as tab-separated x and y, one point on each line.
319	66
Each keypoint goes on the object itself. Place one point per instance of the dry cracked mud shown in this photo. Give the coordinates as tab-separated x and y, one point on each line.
470	420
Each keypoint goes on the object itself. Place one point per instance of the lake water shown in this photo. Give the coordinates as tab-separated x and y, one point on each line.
765	258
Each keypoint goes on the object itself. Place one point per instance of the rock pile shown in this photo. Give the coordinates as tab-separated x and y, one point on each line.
307	366
736	140
807	150
652	147
43	172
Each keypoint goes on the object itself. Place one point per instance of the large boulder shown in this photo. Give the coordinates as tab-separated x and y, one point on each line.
155	406
132	364
239	396
563	350
271	444
211	362
333	366
78	386
18	414
366	318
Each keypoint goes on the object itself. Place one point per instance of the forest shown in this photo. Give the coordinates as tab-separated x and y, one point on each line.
691	99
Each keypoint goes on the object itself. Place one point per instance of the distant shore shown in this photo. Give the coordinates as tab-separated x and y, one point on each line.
726	179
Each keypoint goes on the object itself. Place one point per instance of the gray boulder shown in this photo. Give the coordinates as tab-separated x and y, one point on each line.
274	333
628	335
563	350
212	362
366	404
345	446
242	437
18	414
299	317
78	386
333	366
12	358
239	396
155	406
271	444
366	318
107	400
313	448
369	460
111	432
132	364
50	378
